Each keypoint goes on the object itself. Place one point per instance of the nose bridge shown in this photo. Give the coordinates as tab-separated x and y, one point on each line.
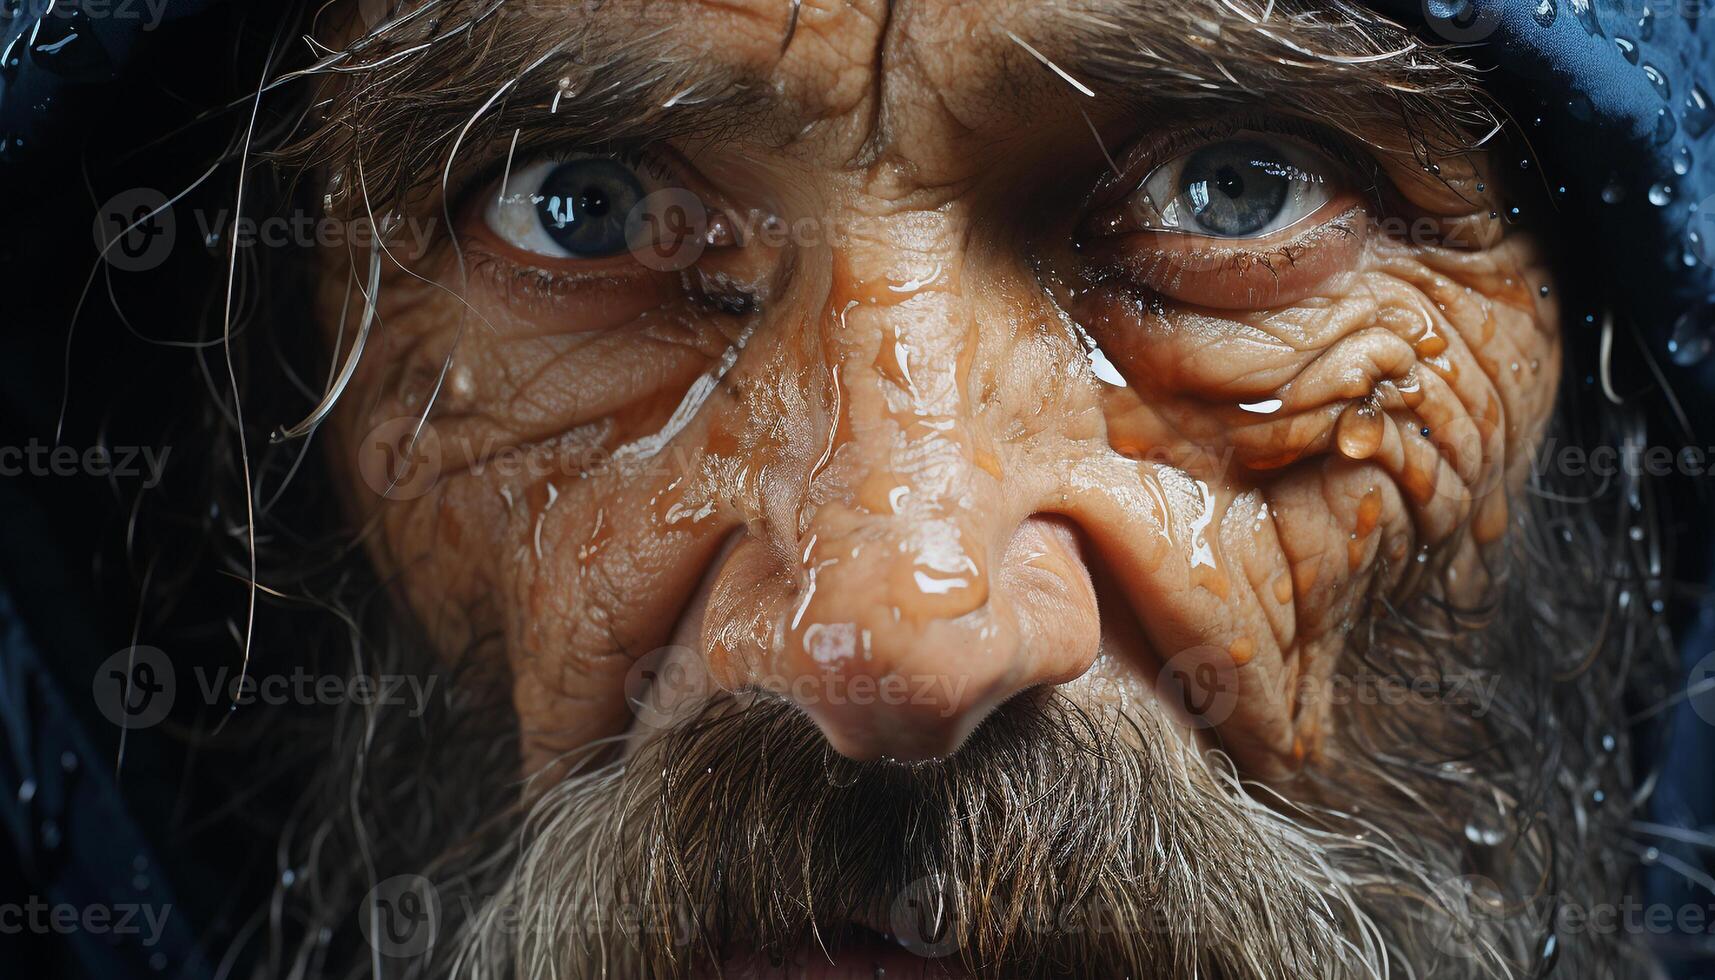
904	515
903	480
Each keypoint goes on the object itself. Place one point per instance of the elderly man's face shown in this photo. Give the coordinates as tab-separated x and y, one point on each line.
894	374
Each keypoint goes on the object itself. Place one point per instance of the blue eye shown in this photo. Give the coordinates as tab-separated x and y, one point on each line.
1241	188
567	209
1235	189
583	204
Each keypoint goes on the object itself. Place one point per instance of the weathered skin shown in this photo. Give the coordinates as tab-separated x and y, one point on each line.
911	471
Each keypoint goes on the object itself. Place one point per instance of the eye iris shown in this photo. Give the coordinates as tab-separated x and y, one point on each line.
582	205
1237	188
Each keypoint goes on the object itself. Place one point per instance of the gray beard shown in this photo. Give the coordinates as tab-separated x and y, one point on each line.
1079	839
1451	820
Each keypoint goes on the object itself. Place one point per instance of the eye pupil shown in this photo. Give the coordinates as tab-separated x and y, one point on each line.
582	205
593	202
1236	188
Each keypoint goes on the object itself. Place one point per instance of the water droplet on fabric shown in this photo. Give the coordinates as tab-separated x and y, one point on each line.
1614	193
1545	13
65	45
1627	47
1682	161
1657	79
1665	127
1699	113
1689	343
1660	195
1585	11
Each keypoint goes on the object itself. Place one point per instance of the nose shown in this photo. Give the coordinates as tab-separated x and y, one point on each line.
916	585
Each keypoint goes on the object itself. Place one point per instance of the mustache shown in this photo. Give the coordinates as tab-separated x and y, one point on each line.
1059	840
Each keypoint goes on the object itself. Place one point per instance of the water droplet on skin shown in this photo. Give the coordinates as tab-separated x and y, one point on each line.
1699	112
1104	369
1545	13
1656	78
1360	430
1660	195
893	359
1627	47
1242	650
1481	187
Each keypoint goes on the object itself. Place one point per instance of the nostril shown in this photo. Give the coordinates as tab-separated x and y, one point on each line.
1050	593
1041	538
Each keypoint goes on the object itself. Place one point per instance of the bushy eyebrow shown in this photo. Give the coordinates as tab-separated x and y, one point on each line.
396	104
1329	60
531	74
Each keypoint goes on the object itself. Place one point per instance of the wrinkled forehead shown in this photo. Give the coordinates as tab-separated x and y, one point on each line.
943	85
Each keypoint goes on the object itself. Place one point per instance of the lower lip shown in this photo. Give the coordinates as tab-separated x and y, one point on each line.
865	960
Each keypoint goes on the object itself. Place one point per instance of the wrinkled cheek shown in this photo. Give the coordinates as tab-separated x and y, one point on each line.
1275	473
